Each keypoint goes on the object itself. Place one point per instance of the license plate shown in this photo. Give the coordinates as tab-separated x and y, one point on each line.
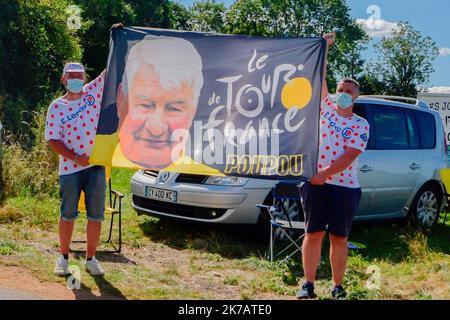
161	194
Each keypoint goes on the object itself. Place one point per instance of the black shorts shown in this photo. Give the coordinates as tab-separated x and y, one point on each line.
329	207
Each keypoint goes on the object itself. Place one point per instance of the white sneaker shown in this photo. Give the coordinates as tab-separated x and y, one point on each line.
94	267
61	267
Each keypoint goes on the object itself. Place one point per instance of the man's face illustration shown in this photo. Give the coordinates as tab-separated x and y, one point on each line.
148	116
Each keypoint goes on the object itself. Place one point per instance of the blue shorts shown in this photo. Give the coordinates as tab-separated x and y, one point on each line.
93	182
329	207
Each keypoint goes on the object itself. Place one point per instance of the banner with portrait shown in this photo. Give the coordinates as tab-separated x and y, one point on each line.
211	104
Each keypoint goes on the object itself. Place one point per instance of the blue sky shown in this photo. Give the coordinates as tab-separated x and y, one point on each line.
430	17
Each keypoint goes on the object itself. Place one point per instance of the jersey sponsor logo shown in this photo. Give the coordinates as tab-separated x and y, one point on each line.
72	116
90	100
347	133
364	137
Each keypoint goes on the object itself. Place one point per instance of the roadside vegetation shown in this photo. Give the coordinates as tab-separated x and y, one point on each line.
163	260
168	260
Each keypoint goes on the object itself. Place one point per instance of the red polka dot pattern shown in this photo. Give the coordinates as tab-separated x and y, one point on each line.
77	122
337	136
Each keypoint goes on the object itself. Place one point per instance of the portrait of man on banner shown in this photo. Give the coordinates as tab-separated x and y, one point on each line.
158	95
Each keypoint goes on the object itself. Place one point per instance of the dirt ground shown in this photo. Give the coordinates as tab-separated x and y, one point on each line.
23	281
163	262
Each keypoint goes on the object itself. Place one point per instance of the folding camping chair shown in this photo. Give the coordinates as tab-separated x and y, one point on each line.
280	219
113	208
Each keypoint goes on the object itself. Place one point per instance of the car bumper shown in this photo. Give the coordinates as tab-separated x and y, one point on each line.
199	202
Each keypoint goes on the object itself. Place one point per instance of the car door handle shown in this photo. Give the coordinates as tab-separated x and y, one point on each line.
365	168
414	166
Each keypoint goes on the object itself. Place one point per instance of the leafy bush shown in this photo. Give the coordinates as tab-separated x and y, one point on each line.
30	171
35	42
10	214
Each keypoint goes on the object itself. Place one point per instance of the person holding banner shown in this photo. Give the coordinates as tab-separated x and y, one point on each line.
331	197
70	130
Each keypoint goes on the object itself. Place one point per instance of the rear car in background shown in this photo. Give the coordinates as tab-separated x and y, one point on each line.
399	175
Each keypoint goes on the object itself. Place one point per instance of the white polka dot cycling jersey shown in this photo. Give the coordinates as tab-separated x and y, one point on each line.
336	135
75	123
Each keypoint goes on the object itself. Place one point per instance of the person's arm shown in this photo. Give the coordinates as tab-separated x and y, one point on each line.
60	148
330	39
100	80
342	163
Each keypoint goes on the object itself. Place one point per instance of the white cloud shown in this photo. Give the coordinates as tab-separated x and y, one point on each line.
377	28
439	90
443	52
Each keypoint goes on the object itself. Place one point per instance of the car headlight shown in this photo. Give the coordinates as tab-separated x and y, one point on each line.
226	181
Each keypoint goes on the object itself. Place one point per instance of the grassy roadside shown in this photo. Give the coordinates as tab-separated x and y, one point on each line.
164	260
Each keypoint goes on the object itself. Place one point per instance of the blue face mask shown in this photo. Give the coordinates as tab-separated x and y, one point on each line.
75	85
344	100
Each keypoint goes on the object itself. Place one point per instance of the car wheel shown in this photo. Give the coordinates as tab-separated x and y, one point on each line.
294	210
295	213
425	207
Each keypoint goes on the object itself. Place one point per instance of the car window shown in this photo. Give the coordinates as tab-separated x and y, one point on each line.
390	128
358	109
427	129
361	110
413	131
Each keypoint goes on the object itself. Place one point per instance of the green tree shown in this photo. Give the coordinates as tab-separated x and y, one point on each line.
97	17
35	42
350	62
207	16
248	17
178	16
314	18
369	84
304	18
404	61
152	13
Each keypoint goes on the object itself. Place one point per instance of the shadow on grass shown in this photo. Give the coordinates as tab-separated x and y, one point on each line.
389	241
230	241
107	291
394	242
439	238
104	256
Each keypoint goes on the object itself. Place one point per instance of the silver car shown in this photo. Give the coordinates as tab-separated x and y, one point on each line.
399	175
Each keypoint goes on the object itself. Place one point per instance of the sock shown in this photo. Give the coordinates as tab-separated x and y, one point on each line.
65	256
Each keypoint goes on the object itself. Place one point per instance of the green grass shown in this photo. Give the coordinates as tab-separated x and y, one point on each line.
8	247
163	260
121	179
41	213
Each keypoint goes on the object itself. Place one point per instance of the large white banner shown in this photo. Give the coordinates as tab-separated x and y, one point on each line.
439	102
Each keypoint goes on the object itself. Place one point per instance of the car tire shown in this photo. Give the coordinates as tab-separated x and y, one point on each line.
425	207
294	209
263	226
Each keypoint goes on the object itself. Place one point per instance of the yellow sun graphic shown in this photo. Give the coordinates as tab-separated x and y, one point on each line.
296	93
